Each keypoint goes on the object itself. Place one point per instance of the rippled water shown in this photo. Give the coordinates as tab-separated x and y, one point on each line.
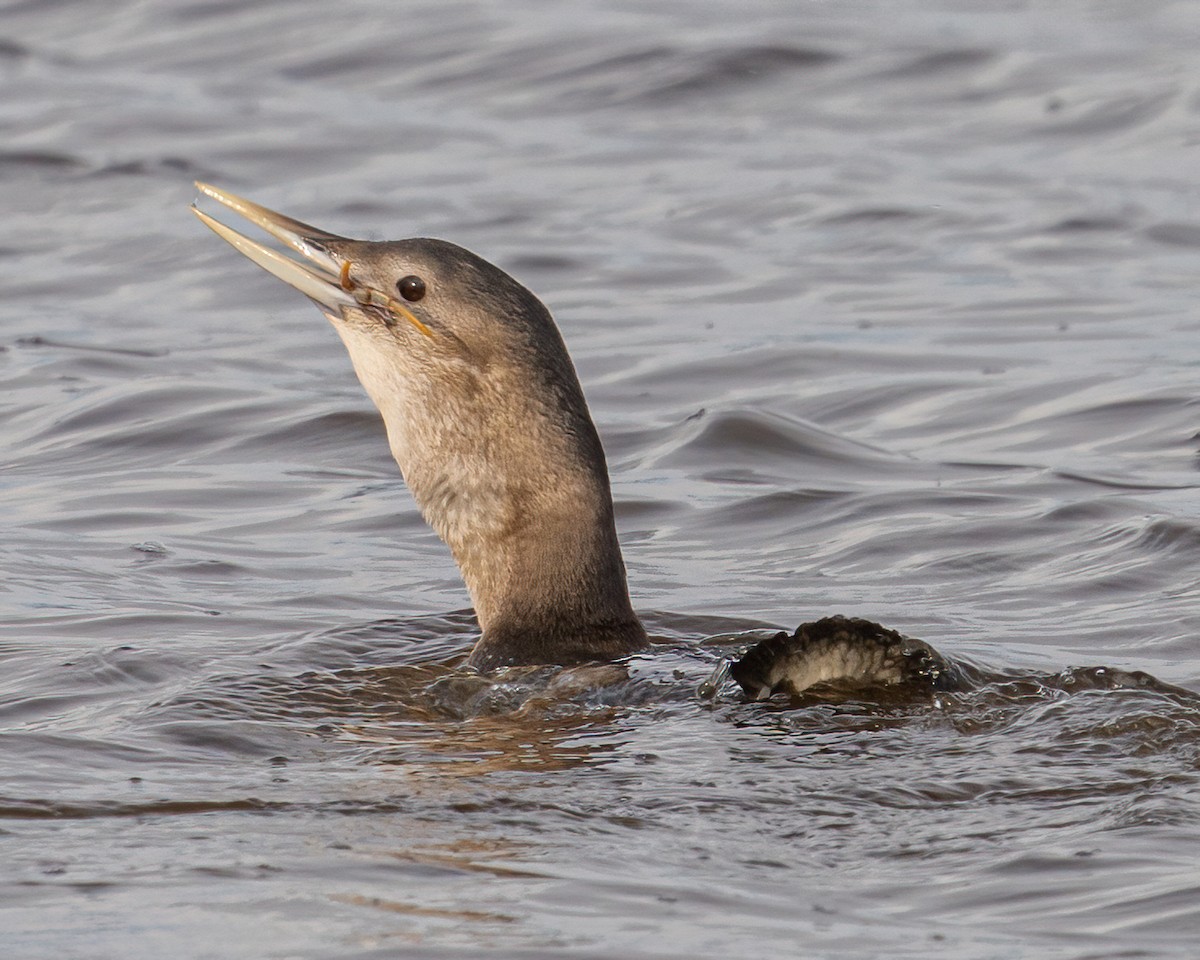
882	308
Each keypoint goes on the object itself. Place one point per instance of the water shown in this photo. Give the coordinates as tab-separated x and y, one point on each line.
881	308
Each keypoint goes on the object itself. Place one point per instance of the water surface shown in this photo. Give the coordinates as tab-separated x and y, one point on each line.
885	309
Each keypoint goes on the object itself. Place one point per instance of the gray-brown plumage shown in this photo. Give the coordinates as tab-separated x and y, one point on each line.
843	650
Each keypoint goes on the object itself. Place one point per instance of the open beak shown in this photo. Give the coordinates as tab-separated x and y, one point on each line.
322	275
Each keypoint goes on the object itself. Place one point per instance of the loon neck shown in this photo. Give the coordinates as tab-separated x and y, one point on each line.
553	592
509	470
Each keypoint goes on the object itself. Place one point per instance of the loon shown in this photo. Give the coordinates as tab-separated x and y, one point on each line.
487	421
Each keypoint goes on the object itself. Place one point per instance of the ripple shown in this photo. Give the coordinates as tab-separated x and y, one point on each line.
717	71
15	809
1107	115
887	315
12	50
761	442
20	161
1175	234
938	62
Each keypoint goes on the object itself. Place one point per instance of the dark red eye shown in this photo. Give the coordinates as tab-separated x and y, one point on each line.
411	288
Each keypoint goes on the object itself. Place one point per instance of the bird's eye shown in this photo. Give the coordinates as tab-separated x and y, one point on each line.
411	288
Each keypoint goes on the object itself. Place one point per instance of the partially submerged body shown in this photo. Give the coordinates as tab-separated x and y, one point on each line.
487	421
839	650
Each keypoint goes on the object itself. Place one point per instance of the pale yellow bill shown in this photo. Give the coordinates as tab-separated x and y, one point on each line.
333	289
318	286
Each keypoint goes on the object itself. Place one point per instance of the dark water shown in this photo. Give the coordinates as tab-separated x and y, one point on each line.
882	308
